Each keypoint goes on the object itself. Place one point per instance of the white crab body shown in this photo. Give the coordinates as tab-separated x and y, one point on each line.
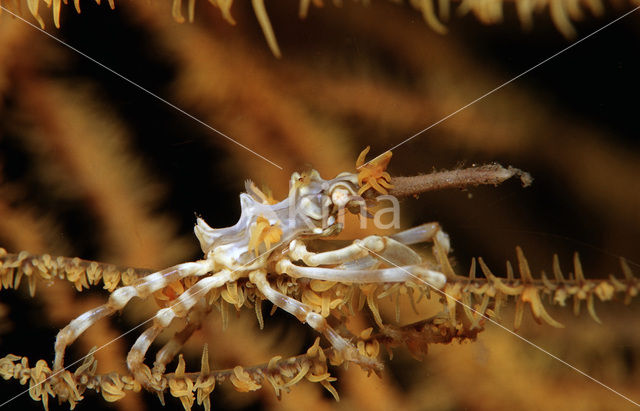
309	209
269	240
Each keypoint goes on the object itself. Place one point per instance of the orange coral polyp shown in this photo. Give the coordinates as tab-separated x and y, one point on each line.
263	232
373	174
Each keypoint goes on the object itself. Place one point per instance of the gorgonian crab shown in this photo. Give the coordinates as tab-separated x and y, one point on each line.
269	239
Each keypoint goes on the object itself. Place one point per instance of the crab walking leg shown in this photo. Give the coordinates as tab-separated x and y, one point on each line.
142	288
163	318
298	251
305	314
383	275
360	252
423	233
168	352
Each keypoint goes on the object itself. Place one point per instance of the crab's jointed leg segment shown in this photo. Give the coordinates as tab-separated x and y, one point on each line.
388	249
423	233
298	251
163	318
382	275
142	288
357	263
172	348
305	314
135	358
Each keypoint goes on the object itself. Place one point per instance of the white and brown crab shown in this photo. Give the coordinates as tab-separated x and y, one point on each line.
270	240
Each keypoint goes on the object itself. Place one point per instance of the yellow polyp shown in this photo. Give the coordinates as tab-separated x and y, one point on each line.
110	278
232	288
497	283
560	297
373	174
314	349
130	384
258	308
94	273
373	307
191	13
326	305
263	232
523	265
225	9
517	322
335	303
170	292
548	284
241	297
265	195
626	270
111	388
228	297
8	279
318	377
81	282
576	305
530	295
303	371
89	364
428	14
32	286
327	385
242	380
176	11
56	12
33	8
466	306
577	267
265	24
39	375
273	363
604	291
372	349
181	387
224	314
311	298
128	277
321	285
591	309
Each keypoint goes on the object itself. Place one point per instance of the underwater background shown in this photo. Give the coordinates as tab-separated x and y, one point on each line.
92	166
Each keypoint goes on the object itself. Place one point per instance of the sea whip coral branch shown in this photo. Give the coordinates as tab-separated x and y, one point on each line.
462	178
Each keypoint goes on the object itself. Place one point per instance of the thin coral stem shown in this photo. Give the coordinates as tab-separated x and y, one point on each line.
462	178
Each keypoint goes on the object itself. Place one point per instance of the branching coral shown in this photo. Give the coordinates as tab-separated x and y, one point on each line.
281	374
463	321
562	12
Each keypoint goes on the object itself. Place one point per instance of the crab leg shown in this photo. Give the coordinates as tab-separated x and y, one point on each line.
388	248
180	308
305	314
119	298
423	233
383	275
168	352
298	251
